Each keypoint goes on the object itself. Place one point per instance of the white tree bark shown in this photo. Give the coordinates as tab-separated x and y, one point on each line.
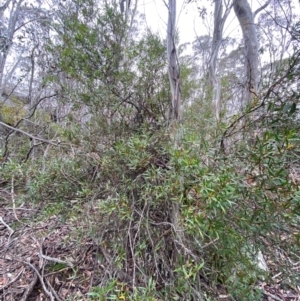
17	11
14	16
7	36
245	16
173	65
174	77
219	21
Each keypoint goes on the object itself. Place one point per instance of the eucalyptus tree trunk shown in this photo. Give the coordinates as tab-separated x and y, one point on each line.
18	16
246	19
174	77
173	65
8	38
219	21
4	48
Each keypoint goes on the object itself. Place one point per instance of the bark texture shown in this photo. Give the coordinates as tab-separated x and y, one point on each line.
173	65
245	16
219	21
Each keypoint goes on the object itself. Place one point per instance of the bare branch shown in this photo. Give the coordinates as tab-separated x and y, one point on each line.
261	8
26	134
6	225
13	280
4	6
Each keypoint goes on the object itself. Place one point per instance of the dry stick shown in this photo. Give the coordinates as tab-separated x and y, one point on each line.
179	241
48	293
6	225
30	288
132	244
124	277
57	260
53	291
210	243
151	240
132	253
12	281
12	192
56	272
46	153
272	296
153	245
38	274
267	94
26	134
19	208
33	109
42	256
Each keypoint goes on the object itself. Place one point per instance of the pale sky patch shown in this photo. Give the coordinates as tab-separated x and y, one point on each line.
189	22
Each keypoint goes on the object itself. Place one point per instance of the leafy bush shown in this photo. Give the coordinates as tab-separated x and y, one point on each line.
178	217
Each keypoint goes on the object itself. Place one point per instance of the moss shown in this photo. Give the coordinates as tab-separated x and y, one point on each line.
12	113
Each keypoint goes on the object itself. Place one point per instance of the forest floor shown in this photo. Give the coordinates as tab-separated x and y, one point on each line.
42	259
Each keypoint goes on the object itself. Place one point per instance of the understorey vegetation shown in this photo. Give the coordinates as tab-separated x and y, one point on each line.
107	196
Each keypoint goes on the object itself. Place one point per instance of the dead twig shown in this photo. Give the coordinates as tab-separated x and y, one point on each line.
12	281
30	287
273	296
12	192
7	226
53	290
27	134
57	260
47	292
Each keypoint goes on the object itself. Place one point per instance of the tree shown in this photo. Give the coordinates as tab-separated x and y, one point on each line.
219	22
157	220
245	16
17	60
173	64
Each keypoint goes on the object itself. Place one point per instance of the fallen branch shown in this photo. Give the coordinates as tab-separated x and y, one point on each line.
30	287
47	292
57	260
6	225
272	296
12	281
52	290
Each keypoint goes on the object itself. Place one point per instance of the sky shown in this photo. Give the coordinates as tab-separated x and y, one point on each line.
189	22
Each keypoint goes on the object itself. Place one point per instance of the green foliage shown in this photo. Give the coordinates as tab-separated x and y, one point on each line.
230	208
171	220
119	291
121	83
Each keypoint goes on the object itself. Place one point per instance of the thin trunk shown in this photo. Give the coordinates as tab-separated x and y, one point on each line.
10	74
132	17
31	127
173	65
219	22
14	14
174	78
245	16
3	58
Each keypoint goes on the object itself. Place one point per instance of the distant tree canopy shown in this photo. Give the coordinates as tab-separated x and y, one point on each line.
176	166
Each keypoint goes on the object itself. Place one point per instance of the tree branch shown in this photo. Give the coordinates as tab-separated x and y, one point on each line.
4	6
261	8
26	134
